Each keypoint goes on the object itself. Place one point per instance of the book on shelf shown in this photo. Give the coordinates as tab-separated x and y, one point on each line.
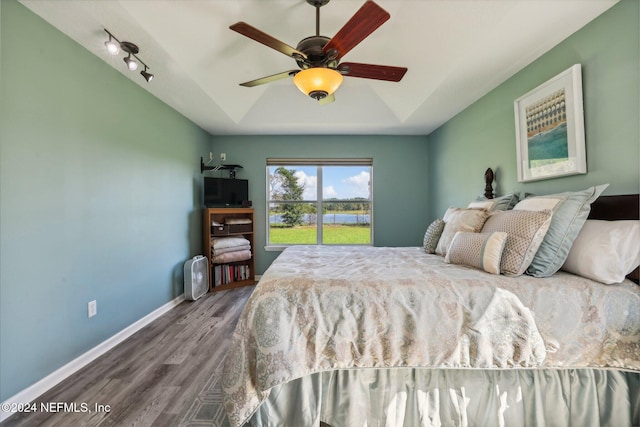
229	273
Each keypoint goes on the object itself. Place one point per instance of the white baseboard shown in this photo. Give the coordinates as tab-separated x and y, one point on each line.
32	392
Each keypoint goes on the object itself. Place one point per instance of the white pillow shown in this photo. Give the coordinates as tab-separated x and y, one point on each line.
537	204
605	251
486	204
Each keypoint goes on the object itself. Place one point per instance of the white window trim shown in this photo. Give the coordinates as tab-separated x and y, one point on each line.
316	162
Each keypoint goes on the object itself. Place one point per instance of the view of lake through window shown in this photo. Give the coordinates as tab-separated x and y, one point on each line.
324	204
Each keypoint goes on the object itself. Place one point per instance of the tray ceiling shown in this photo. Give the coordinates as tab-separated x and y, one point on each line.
456	51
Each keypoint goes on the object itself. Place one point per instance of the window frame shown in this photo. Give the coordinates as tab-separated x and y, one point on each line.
319	164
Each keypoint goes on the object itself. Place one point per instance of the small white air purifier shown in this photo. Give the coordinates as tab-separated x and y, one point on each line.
196	277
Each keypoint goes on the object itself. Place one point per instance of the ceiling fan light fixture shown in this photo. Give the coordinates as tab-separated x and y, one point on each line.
319	57
318	82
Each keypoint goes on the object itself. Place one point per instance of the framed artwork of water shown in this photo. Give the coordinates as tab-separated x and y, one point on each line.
550	128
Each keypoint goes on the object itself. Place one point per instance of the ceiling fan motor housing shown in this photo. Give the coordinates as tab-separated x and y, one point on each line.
312	47
317	3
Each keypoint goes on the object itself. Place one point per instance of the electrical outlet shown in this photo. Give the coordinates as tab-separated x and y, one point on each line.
92	308
223	156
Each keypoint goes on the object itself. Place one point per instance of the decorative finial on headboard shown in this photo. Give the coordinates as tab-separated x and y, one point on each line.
488	179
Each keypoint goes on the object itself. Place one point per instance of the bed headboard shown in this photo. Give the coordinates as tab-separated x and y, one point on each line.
488	180
613	208
618	208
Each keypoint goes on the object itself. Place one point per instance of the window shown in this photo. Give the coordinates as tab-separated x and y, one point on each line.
319	202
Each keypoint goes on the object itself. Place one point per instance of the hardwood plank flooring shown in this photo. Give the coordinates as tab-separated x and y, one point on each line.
166	374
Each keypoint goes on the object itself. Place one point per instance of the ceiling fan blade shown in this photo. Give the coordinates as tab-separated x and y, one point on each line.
269	79
327	99
267	40
370	71
365	21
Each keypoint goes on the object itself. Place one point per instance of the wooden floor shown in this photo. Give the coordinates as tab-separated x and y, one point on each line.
167	374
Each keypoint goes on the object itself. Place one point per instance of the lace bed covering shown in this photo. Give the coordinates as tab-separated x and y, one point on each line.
321	308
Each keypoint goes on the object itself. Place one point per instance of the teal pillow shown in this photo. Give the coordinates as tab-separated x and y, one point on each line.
570	211
432	236
502	203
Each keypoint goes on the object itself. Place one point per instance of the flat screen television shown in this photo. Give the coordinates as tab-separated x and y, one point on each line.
225	192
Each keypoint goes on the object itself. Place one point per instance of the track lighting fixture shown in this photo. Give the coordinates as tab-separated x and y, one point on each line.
114	46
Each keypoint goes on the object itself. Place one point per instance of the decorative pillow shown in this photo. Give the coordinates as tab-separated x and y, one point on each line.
502	203
526	229
477	250
605	251
432	235
459	219
570	211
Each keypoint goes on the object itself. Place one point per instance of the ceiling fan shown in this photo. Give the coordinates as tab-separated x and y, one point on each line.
318	57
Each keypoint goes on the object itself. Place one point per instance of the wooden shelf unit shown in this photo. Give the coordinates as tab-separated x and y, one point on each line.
220	215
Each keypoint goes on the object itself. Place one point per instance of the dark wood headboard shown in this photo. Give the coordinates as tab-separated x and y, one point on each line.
616	208
488	180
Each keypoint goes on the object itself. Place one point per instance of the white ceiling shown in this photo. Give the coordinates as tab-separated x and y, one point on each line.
456	51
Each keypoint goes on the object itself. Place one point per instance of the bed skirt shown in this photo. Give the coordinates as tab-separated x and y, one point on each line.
455	397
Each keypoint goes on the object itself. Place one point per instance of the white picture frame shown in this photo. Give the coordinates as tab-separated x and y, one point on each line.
550	139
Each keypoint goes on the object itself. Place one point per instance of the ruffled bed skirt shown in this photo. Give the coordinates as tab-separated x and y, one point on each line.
455	397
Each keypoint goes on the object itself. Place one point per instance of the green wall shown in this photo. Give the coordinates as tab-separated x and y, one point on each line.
483	135
100	199
100	187
399	179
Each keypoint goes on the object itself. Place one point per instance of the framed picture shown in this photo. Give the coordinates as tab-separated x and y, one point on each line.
550	128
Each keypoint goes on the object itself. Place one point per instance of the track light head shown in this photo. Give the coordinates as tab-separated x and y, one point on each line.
131	64
147	75
113	48
131	49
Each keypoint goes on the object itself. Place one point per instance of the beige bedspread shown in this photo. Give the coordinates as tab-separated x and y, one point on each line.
321	308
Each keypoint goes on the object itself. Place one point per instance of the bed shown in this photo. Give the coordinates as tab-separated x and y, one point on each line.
372	336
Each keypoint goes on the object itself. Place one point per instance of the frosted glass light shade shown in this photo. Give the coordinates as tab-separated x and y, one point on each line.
318	82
